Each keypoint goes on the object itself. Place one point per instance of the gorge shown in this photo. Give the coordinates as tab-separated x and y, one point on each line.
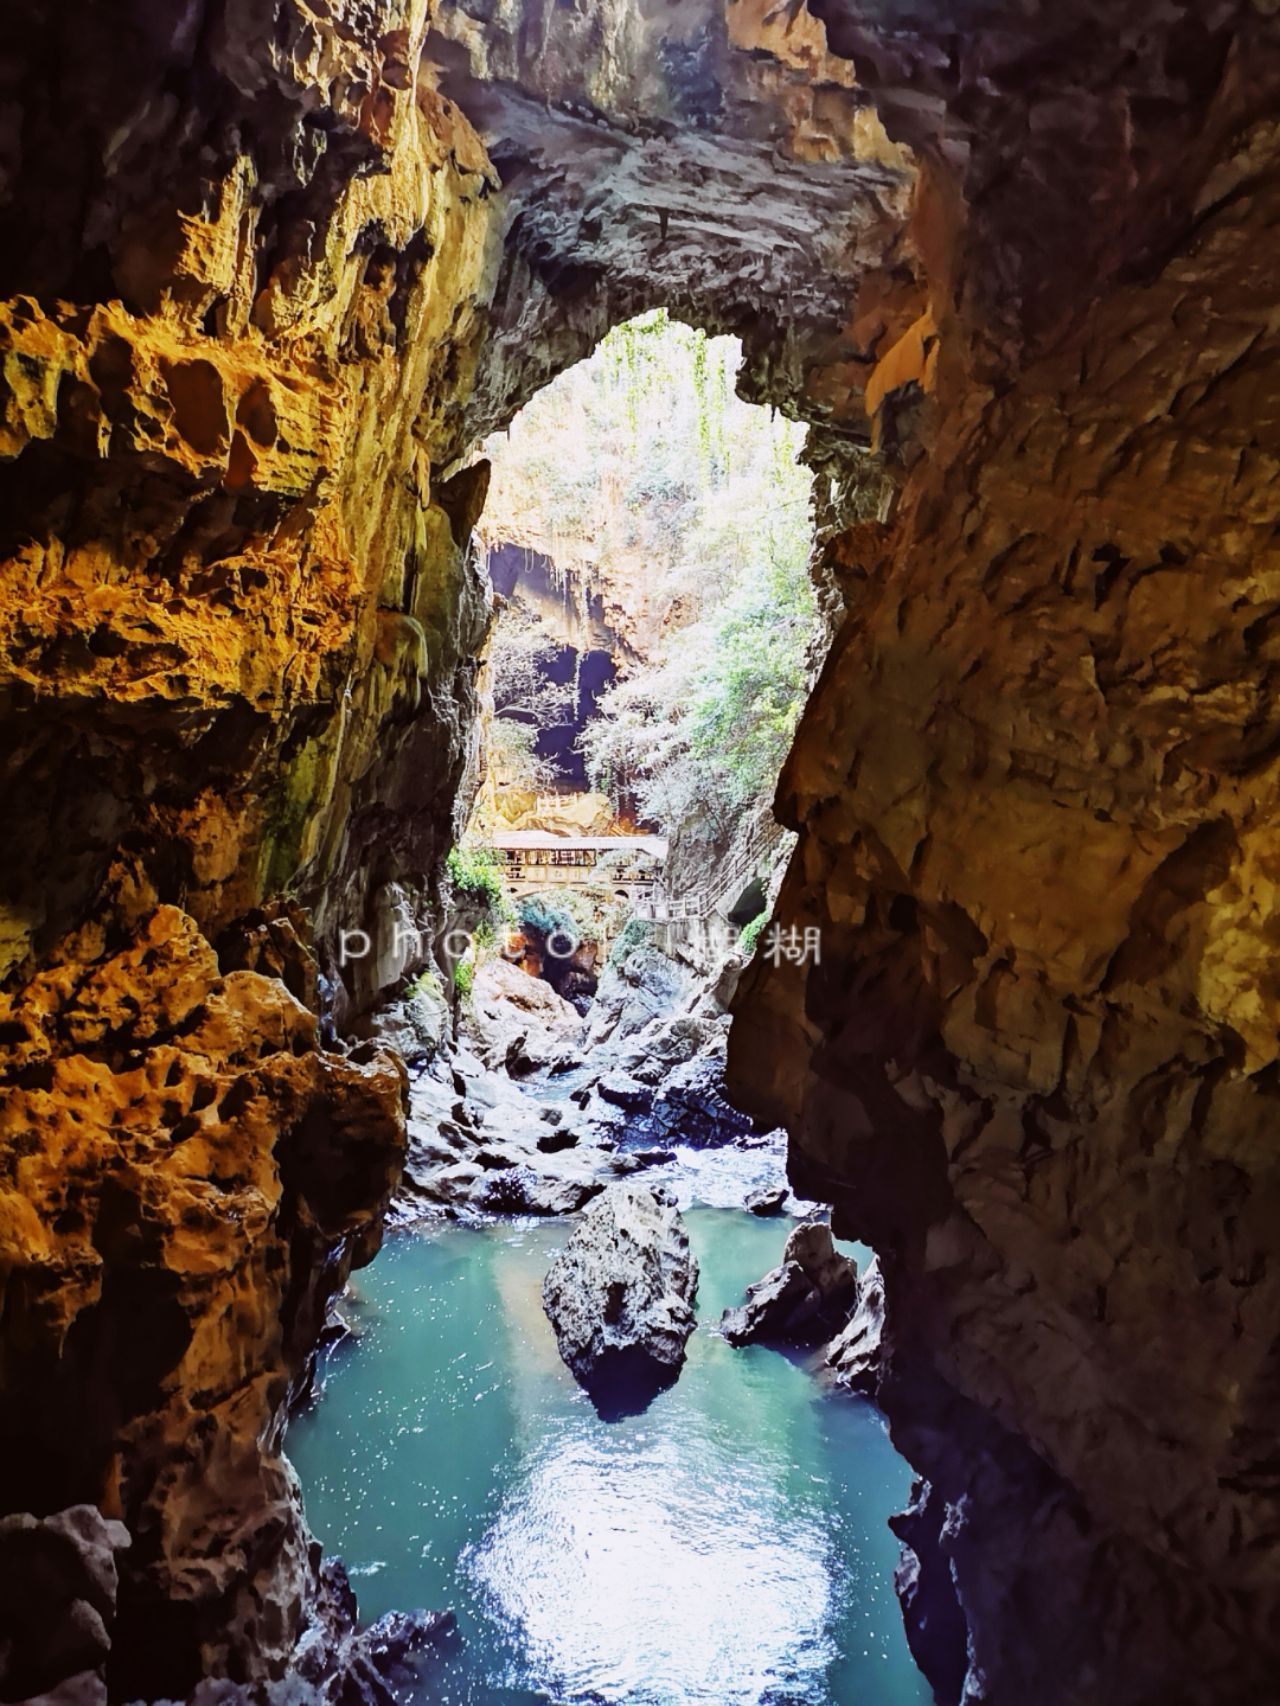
270	270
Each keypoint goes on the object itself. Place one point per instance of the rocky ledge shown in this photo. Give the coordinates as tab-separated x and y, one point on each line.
534	1112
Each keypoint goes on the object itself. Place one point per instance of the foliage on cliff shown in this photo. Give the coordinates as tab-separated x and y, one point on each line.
644	458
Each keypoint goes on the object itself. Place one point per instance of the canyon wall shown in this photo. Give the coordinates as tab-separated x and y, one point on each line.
266	271
243	255
1036	791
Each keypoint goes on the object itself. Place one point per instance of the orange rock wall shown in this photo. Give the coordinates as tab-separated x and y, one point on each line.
244	278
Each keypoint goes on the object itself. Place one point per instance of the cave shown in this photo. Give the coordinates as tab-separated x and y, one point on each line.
268	274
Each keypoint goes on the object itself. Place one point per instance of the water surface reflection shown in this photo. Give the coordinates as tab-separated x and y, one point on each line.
728	1546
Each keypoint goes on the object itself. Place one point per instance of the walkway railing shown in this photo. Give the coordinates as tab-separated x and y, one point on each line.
724	883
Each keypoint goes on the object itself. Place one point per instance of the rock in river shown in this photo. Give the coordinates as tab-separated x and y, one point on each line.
804	1300
620	1296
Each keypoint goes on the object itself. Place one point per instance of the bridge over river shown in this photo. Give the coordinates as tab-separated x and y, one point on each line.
631	865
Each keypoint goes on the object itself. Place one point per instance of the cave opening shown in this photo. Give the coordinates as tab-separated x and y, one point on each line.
605	1532
648	539
270	274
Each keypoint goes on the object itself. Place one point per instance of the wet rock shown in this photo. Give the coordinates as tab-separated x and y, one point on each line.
341	1664
625	1092
767	1202
803	1300
524	1190
620	1297
854	1355
931	1613
449	1186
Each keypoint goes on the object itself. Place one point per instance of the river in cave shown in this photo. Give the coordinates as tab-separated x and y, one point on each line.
728	1546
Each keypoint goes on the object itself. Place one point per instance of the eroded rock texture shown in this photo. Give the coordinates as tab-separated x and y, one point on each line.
621	1296
265	270
187	1178
1036	790
240	251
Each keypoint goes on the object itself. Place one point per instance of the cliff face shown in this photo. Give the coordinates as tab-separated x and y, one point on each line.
242	251
266	270
1036	793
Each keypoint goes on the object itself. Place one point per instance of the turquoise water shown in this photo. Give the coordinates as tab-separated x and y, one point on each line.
726	1548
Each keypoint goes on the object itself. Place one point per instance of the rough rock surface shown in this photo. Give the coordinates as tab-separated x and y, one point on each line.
249	256
57	1603
644	987
479	1145
768	1202
803	1300
417	1026
926	1587
241	256
1036	789
854	1356
663	1036
620	1296
187	1178
342	1664
516	1021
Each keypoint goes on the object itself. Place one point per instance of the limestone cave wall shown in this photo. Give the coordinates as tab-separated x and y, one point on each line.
1036	791
267	270
244	250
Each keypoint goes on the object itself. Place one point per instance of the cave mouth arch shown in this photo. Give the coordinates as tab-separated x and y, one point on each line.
631	505
239	638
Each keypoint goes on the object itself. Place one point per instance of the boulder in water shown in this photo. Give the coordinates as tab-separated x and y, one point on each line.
768	1201
620	1296
625	1092
804	1300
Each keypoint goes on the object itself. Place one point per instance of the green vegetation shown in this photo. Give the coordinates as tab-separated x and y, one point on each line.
750	934
635	933
426	983
566	912
644	460
694	740
473	871
464	975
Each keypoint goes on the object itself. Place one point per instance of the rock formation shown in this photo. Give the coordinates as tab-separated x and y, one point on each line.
517	1021
266	272
189	1177
620	1296
1035	789
58	1585
855	1355
239	259
804	1300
